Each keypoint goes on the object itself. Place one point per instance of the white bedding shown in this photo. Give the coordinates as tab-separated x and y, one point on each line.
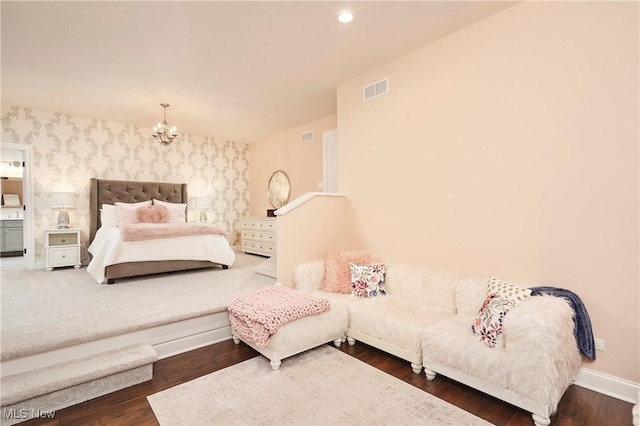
108	248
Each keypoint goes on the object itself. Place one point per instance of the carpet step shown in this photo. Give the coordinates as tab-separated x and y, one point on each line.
267	268
39	392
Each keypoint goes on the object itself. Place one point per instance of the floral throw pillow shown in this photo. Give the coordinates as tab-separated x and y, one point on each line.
501	298
368	280
487	325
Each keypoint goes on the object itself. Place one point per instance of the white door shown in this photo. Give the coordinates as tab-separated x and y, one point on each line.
330	160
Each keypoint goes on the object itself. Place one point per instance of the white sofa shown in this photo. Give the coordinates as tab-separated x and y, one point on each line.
426	317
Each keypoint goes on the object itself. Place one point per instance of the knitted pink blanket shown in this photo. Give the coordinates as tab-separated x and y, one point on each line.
257	315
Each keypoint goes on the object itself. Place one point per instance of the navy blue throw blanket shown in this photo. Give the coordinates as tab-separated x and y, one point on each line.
581	320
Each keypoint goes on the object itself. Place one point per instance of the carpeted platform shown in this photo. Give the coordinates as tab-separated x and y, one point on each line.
43	311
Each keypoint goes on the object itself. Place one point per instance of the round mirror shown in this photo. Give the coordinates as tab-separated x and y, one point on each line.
279	189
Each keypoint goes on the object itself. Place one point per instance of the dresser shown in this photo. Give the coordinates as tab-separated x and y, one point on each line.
62	248
258	235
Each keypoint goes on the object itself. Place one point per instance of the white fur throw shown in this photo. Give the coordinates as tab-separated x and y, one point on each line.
152	231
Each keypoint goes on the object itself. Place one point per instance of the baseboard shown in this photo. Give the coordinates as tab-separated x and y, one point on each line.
608	385
190	343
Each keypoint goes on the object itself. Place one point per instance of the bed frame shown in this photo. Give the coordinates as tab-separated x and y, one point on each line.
108	192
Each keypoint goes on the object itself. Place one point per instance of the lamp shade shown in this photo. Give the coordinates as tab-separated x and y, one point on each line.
63	200
202	202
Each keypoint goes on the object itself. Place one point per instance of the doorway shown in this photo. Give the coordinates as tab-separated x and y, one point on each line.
330	160
16	214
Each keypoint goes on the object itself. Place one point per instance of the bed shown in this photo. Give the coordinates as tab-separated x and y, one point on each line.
215	250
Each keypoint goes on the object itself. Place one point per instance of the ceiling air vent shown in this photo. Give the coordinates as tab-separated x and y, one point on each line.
379	88
306	136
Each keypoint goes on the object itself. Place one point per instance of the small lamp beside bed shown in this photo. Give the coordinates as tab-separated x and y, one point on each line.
63	201
203	204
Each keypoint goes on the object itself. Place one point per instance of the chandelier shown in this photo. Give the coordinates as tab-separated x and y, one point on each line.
162	131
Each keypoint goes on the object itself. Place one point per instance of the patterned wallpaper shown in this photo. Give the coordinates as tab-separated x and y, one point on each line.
69	150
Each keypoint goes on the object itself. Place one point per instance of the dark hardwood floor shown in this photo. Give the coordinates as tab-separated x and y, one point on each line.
579	406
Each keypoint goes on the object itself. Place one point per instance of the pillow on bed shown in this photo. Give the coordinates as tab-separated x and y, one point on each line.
138	204
127	211
108	215
177	211
152	214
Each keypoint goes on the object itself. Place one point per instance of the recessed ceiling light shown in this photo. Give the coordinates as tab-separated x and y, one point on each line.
345	17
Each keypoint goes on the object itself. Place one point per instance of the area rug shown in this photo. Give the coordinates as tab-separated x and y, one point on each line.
323	386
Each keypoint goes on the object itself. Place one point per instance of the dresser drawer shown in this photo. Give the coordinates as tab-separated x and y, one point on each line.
12	224
64	239
258	224
267	237
63	256
258	248
266	248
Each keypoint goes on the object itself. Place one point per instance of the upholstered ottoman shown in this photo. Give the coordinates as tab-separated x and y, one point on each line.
296	336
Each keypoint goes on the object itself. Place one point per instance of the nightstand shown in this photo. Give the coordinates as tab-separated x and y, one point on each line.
63	248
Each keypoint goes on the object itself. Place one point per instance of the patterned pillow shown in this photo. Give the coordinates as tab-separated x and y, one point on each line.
507	290
337	276
501	298
368	280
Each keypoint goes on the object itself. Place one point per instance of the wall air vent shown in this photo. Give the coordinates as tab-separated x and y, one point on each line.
306	136
378	88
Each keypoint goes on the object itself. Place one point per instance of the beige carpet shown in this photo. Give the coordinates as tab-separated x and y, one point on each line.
42	311
323	386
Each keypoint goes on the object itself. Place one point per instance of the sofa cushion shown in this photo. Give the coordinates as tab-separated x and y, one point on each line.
426	285
470	294
368	280
395	320
308	276
450	343
337	277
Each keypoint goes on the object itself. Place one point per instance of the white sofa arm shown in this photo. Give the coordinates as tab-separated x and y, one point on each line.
309	276
543	356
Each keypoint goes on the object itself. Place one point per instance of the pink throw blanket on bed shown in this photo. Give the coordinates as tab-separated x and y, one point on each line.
257	315
151	231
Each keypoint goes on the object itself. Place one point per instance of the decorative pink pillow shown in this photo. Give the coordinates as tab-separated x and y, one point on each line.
177	211
152	214
337	275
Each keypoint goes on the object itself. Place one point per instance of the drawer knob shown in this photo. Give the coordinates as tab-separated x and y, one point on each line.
64	240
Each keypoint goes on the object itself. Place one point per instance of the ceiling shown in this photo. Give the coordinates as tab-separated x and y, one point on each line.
234	70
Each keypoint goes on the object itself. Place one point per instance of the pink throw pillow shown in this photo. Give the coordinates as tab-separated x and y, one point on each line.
337	275
152	214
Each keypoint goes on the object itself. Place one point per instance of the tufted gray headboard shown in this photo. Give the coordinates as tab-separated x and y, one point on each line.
109	191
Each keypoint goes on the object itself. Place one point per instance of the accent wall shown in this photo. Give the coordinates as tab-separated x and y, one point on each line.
69	150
